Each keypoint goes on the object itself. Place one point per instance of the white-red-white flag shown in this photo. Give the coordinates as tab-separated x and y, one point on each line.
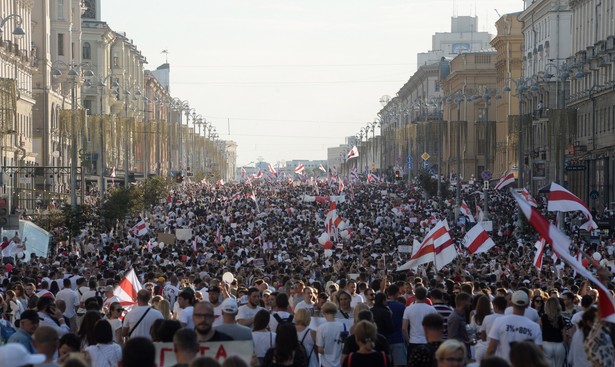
560	243
243	172
477	240
299	168
272	170
341	187
320	167
233	198
465	210
332	220
113	174
258	174
479	211
504	181
422	253
372	178
127	289
354	153
444	245
354	174
562	200
220	182
139	229
528	197
540	246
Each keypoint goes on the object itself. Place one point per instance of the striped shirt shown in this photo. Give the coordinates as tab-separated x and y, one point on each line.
444	311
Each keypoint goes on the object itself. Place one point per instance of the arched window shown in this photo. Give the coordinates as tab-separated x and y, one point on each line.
87	51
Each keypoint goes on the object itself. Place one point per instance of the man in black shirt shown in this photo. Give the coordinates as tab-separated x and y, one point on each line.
425	355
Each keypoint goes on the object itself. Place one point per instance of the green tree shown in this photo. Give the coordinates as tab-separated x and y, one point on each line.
76	219
116	207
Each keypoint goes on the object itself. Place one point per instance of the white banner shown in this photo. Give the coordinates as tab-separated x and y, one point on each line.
487	225
184	234
165	352
404	249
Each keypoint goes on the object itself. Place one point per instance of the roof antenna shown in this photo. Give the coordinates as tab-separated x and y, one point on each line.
166	56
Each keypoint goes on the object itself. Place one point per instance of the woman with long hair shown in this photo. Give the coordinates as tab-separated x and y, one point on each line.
345	311
86	330
365	334
165	309
113	316
287	351
105	352
538	303
14	307
553	333
482	309
262	337
527	354
306	336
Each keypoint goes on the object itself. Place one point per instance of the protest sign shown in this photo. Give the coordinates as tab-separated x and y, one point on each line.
184	234
165	352
167	238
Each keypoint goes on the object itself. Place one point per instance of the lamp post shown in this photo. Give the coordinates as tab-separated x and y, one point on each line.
128	89
458	98
486	97
103	162
521	86
181	106
75	71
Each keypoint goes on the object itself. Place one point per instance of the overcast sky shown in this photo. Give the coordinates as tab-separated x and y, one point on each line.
286	79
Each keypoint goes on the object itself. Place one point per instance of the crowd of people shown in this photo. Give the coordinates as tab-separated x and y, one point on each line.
302	301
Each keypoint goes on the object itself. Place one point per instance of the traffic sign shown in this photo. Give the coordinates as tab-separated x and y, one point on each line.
486	175
425	156
594	194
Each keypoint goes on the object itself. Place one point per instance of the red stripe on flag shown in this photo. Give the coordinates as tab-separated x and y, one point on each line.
478	241
128	288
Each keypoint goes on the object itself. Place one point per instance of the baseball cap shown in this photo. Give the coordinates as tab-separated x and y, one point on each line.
520	298
266	291
229	306
31	315
16	355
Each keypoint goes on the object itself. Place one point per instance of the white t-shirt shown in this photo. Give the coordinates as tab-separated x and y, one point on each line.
273	323
263	340
328	337
356	299
71	299
132	317
513	328
304	304
488	322
245	312
415	314
185	317
529	312
218	314
170	293
104	355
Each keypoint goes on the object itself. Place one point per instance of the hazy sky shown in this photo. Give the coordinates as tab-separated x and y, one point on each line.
286	79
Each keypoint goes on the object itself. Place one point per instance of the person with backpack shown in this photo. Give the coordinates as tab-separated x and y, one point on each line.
330	337
365	334
307	336
281	312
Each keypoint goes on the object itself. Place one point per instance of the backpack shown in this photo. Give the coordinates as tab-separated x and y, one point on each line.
286	320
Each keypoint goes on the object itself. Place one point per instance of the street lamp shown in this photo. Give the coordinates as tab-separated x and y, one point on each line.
103	162
180	106
75	72
17	31
128	90
522	88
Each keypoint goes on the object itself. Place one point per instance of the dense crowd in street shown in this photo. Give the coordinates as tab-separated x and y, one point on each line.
258	267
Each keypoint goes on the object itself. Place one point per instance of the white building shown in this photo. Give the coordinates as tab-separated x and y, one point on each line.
463	37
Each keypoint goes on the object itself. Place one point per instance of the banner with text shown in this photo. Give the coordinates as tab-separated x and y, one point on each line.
165	352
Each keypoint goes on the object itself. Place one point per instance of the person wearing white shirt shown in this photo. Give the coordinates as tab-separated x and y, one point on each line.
309	297
412	324
246	313
139	320
513	328
186	301
355	298
71	299
51	316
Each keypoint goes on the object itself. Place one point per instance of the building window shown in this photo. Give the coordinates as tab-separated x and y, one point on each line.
87	51
60	9
437	86
87	106
60	44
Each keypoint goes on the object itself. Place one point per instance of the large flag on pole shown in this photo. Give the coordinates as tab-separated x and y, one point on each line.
560	243
354	153
128	288
422	253
139	229
444	245
320	167
528	197
272	170
540	252
563	200
504	181
477	240
465	210
300	168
